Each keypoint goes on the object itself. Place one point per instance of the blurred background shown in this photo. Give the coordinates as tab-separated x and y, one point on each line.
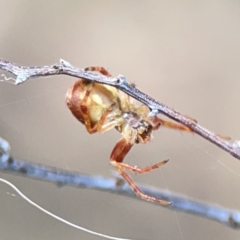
185	54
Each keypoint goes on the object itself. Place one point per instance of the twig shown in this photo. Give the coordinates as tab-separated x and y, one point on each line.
11	165
23	73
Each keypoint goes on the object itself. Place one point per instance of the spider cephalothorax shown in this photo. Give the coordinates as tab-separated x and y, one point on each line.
101	107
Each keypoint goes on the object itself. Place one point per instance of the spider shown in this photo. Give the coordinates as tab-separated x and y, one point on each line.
101	107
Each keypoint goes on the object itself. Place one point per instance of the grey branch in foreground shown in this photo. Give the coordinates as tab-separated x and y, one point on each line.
24	73
11	165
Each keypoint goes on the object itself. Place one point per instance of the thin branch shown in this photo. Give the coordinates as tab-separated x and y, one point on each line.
24	73
11	165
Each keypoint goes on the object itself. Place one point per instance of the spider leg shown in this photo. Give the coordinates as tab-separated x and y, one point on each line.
227	138
119	152
142	170
102	70
161	122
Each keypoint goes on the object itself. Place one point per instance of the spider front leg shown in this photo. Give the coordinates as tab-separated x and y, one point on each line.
161	122
119	152
158	122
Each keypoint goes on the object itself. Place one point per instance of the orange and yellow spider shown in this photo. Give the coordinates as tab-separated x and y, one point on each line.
101	107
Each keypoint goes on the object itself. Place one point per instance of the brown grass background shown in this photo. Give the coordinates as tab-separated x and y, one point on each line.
186	54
